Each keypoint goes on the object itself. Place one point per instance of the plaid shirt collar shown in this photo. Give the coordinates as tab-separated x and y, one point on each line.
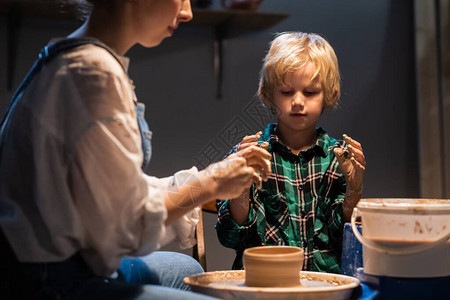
320	148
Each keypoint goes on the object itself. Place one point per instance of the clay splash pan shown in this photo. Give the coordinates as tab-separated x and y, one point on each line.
312	285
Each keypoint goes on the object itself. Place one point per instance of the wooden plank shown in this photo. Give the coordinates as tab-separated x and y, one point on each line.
210	207
429	125
200	249
445	67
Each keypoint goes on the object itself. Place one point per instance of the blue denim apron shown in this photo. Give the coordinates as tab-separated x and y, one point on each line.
47	53
146	134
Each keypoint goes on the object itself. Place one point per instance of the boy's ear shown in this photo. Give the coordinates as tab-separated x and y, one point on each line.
334	99
334	96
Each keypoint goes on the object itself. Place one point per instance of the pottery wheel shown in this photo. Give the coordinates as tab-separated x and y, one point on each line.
312	285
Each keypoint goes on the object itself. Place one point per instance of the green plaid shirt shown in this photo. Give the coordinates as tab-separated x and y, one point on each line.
300	205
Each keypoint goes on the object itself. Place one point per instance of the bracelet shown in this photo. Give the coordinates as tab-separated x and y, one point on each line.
243	200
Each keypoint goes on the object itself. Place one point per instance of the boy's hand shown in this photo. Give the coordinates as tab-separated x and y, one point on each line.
249	141
353	164
252	140
248	149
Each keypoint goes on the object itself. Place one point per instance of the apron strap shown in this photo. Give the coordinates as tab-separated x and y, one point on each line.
46	54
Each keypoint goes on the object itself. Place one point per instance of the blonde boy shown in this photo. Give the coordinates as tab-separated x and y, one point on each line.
316	180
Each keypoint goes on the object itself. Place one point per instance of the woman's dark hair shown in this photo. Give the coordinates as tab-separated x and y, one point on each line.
82	7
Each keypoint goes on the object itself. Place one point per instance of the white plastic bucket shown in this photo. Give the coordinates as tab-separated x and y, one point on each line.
404	237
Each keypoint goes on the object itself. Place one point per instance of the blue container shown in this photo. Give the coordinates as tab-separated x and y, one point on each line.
352	256
388	288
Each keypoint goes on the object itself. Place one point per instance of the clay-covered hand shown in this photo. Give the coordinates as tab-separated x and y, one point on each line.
251	140
352	164
238	171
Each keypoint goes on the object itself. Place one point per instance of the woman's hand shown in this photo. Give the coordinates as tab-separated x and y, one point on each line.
235	174
226	179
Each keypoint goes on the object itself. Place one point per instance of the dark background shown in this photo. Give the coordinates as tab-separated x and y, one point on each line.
374	42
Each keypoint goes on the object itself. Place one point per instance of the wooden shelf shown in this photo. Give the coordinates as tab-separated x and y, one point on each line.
250	20
222	21
52	9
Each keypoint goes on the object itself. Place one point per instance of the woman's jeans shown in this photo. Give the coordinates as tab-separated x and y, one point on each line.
156	276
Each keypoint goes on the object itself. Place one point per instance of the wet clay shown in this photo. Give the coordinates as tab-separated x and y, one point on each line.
273	266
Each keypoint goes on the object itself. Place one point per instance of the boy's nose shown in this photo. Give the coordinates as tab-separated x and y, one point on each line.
298	99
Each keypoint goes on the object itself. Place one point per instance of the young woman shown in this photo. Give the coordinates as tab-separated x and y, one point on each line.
74	199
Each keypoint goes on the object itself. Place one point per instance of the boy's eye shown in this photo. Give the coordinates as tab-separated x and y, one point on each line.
312	92
287	93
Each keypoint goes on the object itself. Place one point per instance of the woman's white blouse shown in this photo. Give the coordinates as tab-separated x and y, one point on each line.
70	171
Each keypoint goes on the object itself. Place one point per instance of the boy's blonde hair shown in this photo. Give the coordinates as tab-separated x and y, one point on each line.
290	51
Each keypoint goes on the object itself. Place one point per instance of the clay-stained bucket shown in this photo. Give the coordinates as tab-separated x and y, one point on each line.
407	238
